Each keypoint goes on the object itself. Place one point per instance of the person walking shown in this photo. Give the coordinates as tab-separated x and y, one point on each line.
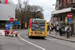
50	29
57	29
60	31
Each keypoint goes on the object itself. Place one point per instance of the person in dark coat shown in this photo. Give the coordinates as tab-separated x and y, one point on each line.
60	31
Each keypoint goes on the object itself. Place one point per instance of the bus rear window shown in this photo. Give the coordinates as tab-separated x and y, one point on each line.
38	21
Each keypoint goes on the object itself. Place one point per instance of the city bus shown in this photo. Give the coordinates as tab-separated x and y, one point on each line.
37	28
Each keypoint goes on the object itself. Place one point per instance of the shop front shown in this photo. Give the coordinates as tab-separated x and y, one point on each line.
63	13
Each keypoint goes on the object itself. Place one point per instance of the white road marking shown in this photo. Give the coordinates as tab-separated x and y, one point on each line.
31	43
26	36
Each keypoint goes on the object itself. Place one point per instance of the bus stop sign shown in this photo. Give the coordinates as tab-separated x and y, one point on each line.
70	20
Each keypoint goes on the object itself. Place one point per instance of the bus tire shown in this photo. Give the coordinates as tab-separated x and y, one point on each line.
29	36
43	37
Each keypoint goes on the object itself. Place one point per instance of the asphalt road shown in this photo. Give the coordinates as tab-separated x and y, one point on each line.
24	43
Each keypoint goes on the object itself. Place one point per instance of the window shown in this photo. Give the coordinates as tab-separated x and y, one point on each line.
58	2
67	1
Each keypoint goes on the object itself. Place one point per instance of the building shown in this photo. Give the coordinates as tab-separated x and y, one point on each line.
63	7
6	10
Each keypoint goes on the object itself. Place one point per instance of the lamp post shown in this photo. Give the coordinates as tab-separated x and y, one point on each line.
66	26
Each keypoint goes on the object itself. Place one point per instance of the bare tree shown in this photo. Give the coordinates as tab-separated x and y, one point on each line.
24	14
36	10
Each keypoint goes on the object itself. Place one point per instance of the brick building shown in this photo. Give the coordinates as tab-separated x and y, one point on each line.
63	7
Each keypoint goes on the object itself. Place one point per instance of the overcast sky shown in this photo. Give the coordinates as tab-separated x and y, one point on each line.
47	5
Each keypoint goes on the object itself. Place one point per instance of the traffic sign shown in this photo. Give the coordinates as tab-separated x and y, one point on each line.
6	25
11	19
70	20
69	15
17	23
55	18
7	28
11	23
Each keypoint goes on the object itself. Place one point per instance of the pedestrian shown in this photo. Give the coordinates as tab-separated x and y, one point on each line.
57	29
68	31
50	29
60	31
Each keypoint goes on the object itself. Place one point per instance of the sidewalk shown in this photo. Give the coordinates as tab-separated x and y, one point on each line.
53	34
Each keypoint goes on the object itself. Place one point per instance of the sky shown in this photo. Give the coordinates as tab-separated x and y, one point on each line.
47	6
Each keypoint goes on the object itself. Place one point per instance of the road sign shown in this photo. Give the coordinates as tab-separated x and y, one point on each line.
55	18
15	19
11	19
17	23
70	20
7	28
6	25
11	23
69	15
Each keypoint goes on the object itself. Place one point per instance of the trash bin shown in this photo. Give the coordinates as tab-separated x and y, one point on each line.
68	34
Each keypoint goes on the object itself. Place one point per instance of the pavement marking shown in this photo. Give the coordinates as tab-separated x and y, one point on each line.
26	36
31	43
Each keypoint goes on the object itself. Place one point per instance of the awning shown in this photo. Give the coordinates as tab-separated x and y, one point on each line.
61	11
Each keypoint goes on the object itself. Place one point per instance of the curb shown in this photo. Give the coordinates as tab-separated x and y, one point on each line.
61	38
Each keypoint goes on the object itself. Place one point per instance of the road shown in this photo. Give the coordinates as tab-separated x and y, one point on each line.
24	43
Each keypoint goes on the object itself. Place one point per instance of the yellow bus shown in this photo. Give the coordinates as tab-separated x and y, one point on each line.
37	28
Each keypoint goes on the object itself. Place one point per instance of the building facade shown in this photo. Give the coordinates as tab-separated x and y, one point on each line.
6	10
63	7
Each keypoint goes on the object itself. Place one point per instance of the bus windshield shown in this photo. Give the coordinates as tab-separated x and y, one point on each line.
38	25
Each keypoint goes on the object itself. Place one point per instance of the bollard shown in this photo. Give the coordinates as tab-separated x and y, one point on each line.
68	34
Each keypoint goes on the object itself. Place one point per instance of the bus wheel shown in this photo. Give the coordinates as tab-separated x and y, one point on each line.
29	36
43	37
